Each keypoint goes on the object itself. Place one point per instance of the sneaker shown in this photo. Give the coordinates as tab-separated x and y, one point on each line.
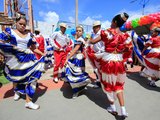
75	95
124	114
110	110
95	86
32	106
152	84
16	96
55	80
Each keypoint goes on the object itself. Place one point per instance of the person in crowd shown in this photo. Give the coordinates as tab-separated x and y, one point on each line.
21	65
152	58
60	44
117	50
95	52
49	59
75	65
147	52
40	43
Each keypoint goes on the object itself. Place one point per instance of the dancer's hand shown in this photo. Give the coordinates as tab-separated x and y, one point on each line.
44	54
66	62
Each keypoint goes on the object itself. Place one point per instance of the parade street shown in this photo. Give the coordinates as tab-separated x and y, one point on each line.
56	103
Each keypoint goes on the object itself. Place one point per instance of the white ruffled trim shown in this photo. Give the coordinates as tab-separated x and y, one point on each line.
112	57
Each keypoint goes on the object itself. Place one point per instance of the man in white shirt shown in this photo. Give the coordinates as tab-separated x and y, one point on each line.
60	44
95	52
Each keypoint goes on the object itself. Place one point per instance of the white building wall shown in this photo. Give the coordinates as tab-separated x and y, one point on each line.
46	29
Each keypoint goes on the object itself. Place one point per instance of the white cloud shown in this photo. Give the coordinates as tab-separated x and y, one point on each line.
71	19
106	24
88	21
97	17
138	13
152	9
134	15
50	17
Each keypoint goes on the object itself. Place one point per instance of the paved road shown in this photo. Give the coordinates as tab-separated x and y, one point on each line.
142	102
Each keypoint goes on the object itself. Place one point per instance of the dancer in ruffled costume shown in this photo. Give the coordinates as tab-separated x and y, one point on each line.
152	58
118	49
21	65
75	65
148	53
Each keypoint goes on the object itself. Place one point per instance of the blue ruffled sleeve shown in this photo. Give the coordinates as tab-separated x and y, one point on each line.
31	42
10	37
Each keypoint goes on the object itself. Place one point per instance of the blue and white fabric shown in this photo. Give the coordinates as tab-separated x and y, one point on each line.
21	66
75	69
138	46
49	53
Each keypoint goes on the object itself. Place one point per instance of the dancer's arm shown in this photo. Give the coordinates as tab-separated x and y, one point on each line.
73	52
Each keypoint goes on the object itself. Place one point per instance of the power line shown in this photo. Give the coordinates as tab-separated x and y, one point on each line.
143	3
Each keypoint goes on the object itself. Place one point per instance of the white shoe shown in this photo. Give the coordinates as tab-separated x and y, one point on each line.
55	80
110	110
16	96
75	95
124	114
95	86
152	84
31	105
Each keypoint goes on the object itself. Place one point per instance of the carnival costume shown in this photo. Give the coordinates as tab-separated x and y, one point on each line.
61	42
21	65
75	69
112	63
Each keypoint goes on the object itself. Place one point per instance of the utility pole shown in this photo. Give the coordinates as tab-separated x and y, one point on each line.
76	13
30	15
11	7
5	7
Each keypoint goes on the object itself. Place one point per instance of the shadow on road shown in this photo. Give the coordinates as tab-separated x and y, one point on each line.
95	95
9	93
142	81
41	90
66	90
99	98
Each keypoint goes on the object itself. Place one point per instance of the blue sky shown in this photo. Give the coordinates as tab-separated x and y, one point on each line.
89	10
